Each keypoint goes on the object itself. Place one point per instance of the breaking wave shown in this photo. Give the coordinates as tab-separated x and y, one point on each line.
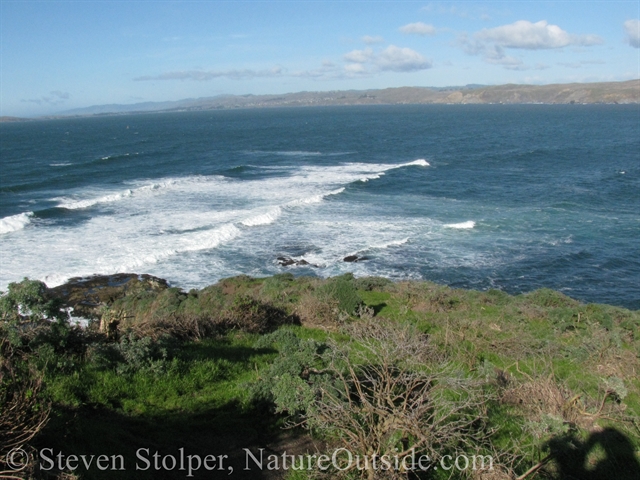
463	225
14	223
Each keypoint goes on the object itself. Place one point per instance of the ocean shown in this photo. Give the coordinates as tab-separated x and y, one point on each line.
509	197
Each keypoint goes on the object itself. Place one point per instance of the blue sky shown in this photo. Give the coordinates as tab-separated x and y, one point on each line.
58	55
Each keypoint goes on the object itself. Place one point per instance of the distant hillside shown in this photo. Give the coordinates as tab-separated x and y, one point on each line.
5	119
611	92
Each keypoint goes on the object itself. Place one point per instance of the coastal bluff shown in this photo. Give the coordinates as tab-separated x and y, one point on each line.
627	92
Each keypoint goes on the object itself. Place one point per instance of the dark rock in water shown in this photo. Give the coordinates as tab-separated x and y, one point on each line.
87	294
354	258
287	261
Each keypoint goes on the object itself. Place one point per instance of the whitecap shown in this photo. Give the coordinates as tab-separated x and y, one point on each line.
14	223
298	153
76	205
192	242
131	192
264	219
420	162
463	225
313	199
392	243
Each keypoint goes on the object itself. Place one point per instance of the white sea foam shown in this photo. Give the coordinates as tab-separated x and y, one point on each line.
463	225
421	162
298	153
313	199
285	153
375	176
264	219
60	164
186	183
392	243
207	222
78	204
15	222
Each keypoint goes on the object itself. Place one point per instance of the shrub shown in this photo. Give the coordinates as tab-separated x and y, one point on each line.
250	315
385	392
287	381
341	290
132	354
372	283
29	300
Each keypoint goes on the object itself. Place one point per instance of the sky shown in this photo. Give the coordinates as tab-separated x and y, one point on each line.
60	55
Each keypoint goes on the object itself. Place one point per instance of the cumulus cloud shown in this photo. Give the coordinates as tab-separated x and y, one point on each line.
205	75
399	59
491	43
391	59
632	29
359	56
418	28
355	69
534	36
371	40
55	97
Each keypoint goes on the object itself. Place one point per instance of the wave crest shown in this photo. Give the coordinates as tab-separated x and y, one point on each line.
463	225
14	223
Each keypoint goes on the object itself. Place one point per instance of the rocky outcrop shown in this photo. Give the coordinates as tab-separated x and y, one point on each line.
354	258
288	261
86	295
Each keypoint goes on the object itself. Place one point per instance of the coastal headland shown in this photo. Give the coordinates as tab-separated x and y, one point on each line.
627	92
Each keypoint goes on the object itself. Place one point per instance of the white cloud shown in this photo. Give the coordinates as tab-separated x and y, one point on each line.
398	59
632	29
491	43
392	58
371	40
534	36
418	28
359	56
355	69
205	75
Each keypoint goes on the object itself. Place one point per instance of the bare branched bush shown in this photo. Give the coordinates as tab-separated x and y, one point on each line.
22	412
315	312
183	327
392	395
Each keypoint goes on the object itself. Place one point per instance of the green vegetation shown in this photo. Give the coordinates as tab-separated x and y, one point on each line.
546	386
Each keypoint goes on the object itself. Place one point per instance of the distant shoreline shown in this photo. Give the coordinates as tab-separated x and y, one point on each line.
613	93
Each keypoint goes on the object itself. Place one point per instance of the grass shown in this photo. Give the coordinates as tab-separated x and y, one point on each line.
199	402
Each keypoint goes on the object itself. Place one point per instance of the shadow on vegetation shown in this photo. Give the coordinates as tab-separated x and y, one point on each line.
217	429
612	453
378	307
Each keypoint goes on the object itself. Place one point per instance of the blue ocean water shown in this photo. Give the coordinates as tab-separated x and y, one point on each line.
477	196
